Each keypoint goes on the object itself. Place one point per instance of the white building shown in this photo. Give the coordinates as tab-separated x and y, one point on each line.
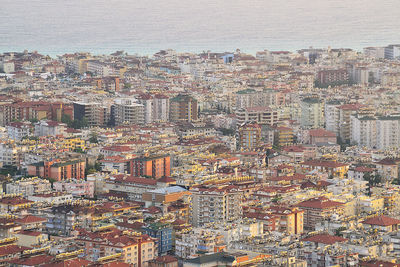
128	111
7	66
29	186
260	115
54	198
156	107
388	132
215	205
9	154
52	128
363	131
18	130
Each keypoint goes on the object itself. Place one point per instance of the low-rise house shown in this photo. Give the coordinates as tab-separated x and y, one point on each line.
31	238
382	223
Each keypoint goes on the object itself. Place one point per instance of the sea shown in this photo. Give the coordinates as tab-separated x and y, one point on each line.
55	27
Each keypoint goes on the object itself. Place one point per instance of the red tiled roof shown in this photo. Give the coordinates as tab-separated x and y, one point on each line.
70	263
363	169
388	161
325	239
11	249
308	184
166	259
324	163
295	176
166	179
118	148
381	220
153	210
351	106
319	203
34	260
375	263
14	201
321	133
30	219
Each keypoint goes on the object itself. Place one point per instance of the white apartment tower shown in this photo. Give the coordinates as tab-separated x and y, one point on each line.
216	204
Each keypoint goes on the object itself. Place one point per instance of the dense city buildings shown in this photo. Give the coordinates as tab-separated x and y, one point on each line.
209	159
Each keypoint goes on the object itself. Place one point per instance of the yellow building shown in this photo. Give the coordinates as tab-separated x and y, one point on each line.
283	136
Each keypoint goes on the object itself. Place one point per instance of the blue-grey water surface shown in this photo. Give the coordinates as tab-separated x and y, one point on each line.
146	26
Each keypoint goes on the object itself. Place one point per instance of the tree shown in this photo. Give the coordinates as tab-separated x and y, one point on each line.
65	118
372	179
93	138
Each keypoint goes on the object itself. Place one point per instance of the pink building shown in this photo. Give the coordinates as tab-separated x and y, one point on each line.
75	187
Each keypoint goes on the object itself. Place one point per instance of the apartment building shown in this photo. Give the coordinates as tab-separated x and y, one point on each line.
78	188
250	98
18	130
153	166
249	136
46	128
260	115
128	111
28	186
133	187
216	204
331	77
289	220
94	113
135	249
183	108
156	107
312	113
9	154
59	169
319	209
363	131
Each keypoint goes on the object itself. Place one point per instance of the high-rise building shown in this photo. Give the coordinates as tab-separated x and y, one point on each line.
156	107
311	113
363	131
216	204
332	77
128	111
388	132
250	98
161	108
261	115
183	108
59	169
392	51
332	116
249	136
94	113
154	166
344	123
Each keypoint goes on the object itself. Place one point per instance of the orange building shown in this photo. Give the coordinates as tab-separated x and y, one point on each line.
59	169
154	166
